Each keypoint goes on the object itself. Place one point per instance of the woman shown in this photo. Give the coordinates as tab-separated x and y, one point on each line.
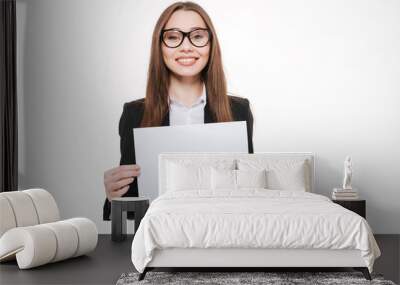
186	84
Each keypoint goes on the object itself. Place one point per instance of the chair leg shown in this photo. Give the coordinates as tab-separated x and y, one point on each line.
364	271
143	274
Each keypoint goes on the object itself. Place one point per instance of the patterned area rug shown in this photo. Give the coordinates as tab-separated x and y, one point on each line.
269	278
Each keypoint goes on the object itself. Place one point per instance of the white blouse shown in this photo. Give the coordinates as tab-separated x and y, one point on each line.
179	114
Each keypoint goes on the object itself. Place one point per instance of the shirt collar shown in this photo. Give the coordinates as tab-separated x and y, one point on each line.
200	100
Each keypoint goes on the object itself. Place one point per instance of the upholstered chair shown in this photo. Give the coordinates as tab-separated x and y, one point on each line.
32	233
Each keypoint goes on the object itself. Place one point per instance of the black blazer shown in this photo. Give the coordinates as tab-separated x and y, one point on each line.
131	117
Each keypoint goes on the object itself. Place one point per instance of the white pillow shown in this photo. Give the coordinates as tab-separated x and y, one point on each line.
188	177
282	174
223	179
251	178
289	179
189	174
236	179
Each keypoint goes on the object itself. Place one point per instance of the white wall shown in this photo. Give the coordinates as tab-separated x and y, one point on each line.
322	76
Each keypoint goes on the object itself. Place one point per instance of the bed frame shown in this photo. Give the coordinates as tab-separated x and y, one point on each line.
244	259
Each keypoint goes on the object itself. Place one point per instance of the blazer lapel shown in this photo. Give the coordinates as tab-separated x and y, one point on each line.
166	120
208	117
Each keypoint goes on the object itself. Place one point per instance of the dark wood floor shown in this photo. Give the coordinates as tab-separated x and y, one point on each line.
110	260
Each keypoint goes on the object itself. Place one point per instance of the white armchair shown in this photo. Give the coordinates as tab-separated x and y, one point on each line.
32	233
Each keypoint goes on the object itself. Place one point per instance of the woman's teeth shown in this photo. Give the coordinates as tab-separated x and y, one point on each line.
186	61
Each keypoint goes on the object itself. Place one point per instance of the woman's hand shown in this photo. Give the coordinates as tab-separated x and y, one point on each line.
117	180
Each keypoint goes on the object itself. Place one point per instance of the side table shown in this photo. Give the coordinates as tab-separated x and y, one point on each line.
357	206
119	208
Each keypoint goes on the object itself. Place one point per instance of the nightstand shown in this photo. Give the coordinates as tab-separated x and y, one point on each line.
357	206
119	208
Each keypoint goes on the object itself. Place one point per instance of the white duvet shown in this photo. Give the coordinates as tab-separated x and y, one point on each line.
251	218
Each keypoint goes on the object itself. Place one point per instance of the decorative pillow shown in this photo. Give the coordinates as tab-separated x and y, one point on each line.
188	174
236	179
251	178
189	177
282	174
223	179
289	179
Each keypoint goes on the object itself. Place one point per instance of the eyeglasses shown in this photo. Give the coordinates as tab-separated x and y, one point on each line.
173	38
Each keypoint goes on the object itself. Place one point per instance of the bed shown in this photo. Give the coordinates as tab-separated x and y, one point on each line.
247	210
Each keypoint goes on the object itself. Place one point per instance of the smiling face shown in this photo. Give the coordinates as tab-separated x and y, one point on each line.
186	60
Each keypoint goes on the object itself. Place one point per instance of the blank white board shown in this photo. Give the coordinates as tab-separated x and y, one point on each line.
211	137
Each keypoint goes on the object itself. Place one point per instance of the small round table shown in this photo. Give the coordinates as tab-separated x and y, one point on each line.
119	208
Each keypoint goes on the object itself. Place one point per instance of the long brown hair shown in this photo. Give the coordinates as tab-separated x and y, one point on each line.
213	76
